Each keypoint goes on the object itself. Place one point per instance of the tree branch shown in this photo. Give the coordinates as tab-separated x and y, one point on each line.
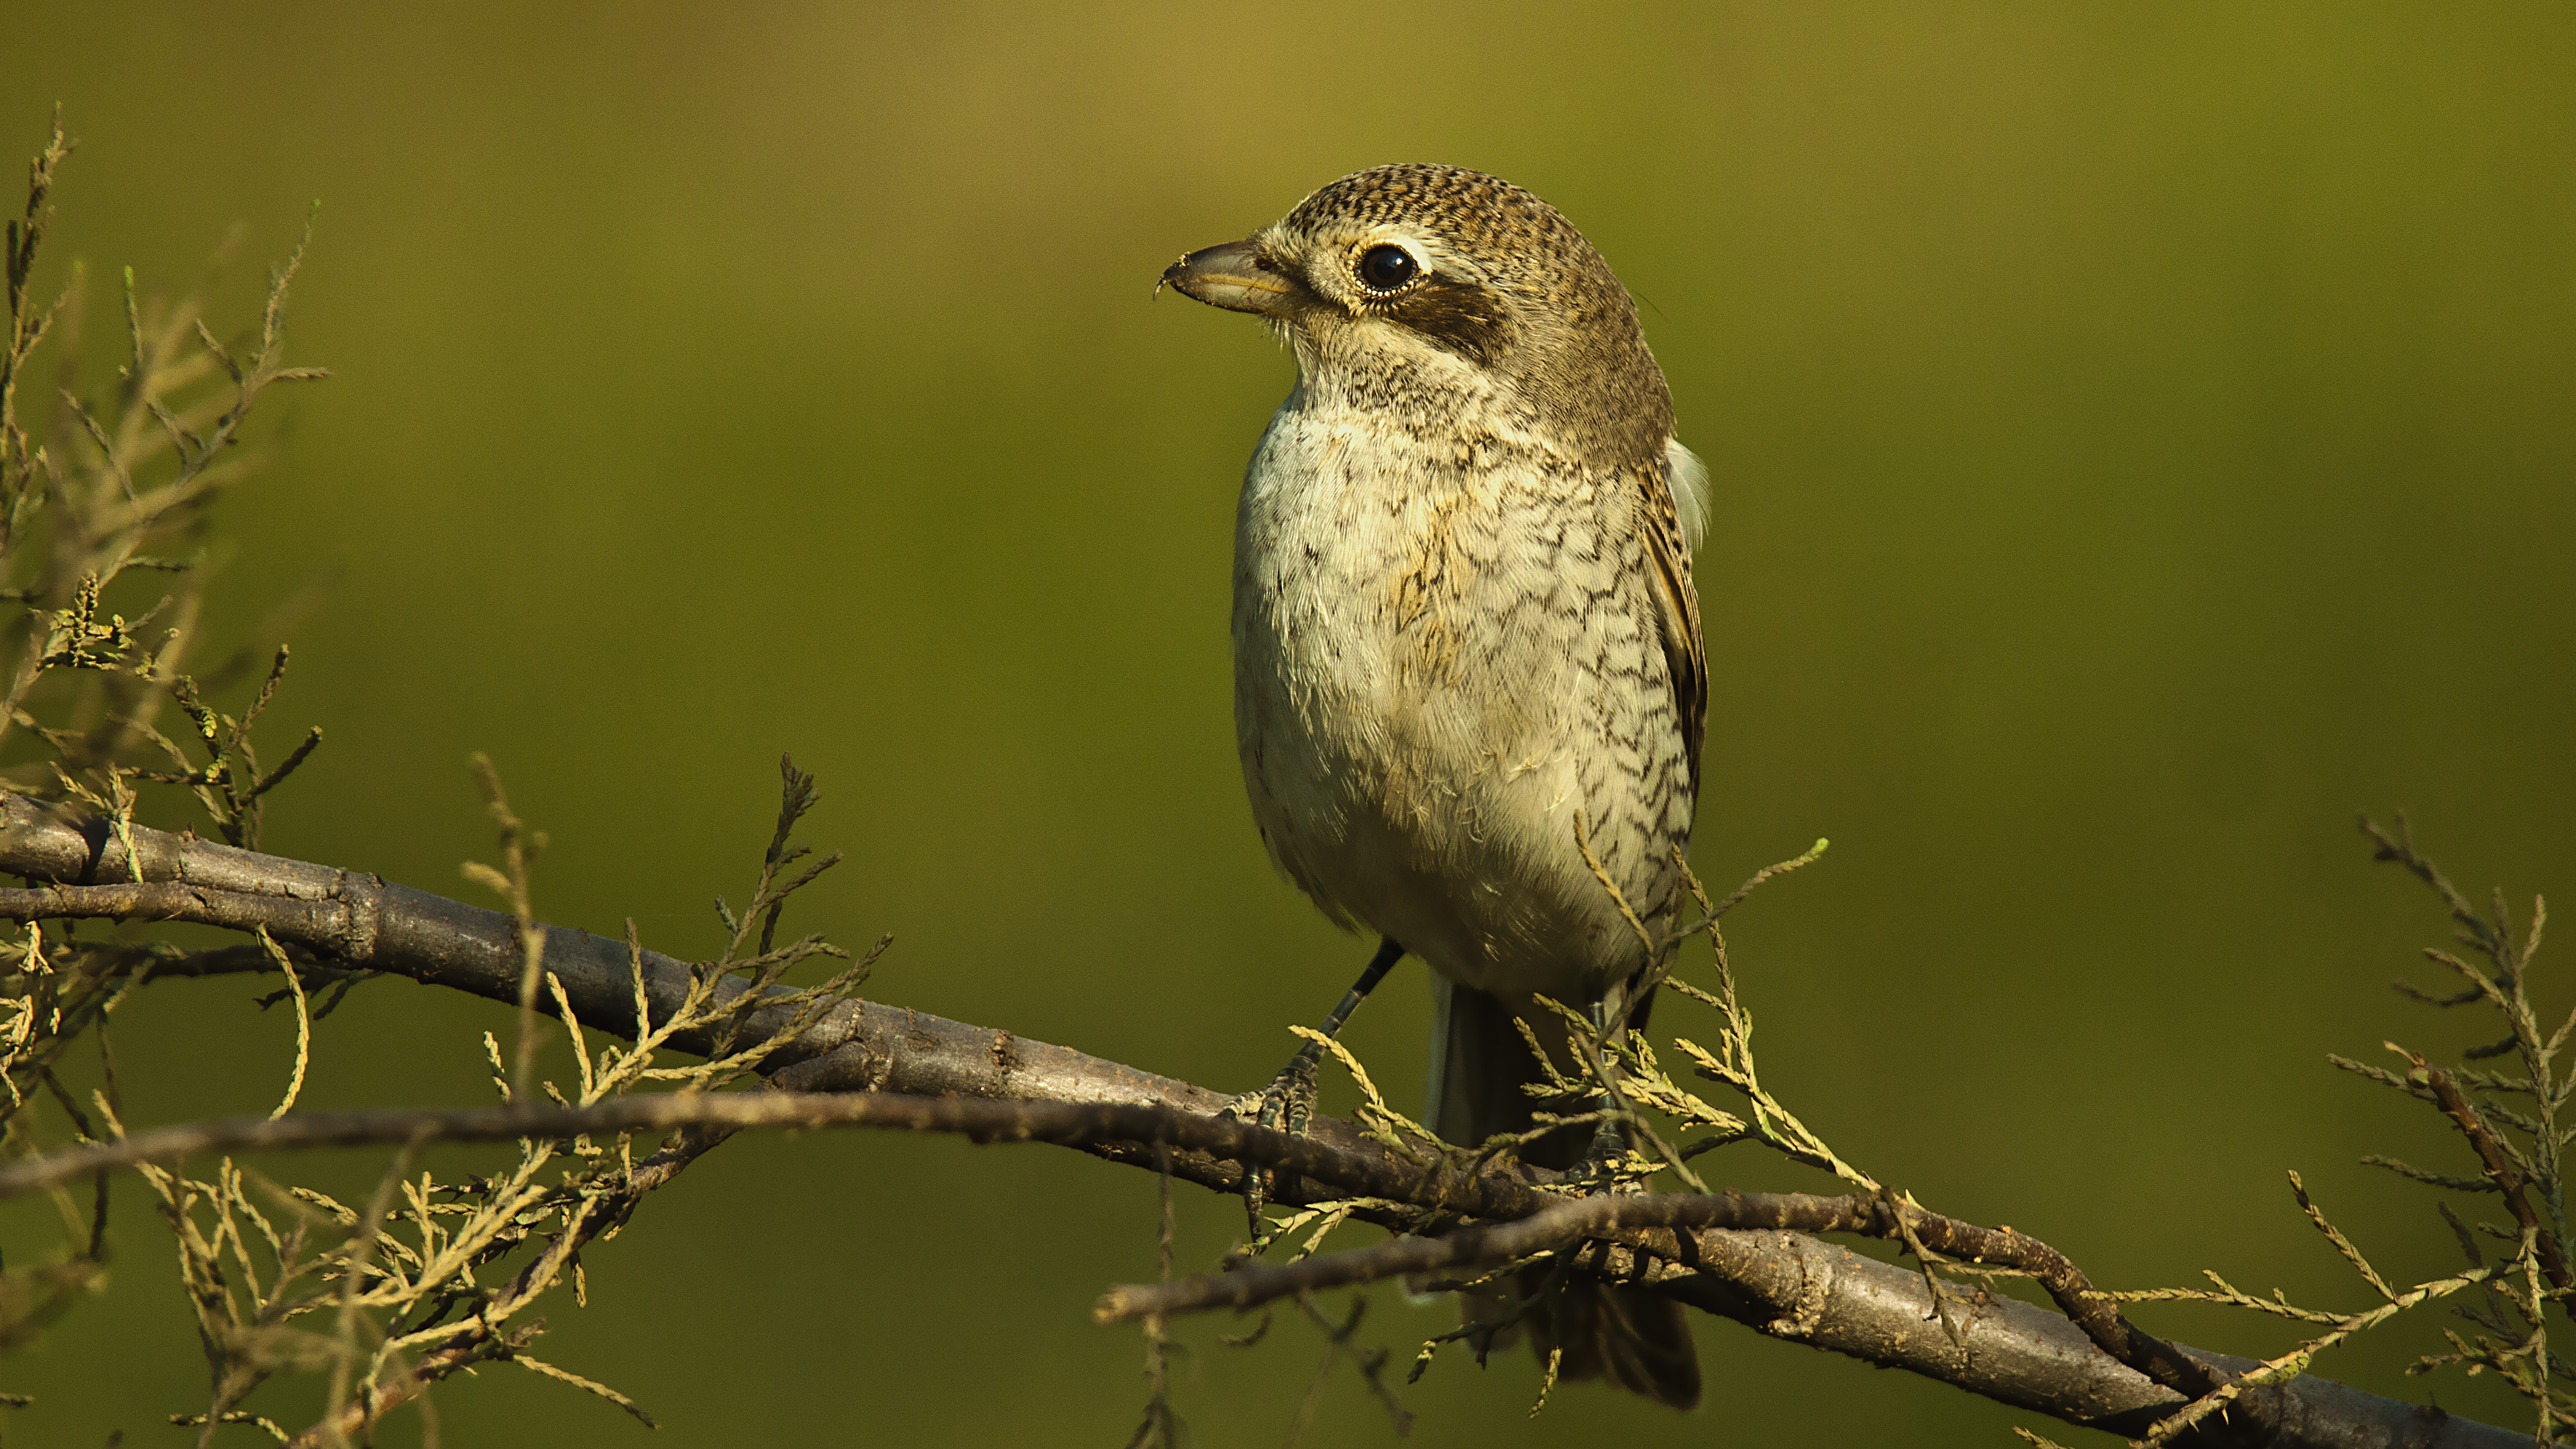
2497	1165
1565	1223
1780	1282
1069	1124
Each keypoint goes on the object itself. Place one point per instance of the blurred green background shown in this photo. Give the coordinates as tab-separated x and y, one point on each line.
2141	439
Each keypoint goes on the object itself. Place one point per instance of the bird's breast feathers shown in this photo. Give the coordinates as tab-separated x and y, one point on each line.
1440	638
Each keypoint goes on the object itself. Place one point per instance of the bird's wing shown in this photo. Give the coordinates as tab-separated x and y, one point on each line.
1677	606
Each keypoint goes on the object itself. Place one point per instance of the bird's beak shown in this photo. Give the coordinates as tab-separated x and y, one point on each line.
1237	276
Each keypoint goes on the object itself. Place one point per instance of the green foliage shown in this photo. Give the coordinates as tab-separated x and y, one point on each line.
430	1278
427	1278
110	506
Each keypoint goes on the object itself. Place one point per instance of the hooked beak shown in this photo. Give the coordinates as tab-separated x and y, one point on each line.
1236	276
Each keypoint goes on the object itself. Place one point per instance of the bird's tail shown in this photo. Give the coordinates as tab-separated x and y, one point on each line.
1632	1337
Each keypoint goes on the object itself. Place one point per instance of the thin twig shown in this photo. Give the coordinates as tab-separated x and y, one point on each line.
2496	1160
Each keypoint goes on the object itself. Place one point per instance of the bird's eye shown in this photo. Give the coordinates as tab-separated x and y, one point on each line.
1388	267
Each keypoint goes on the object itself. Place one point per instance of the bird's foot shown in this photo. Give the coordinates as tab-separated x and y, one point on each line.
1286	1105
1605	1165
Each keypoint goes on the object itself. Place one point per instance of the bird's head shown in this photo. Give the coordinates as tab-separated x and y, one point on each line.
1408	285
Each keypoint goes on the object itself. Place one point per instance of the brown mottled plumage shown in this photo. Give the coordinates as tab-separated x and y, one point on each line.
1463	620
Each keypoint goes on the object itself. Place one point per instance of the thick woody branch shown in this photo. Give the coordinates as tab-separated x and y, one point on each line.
362	922
1000	1086
1616	1218
1068	1124
1780	1282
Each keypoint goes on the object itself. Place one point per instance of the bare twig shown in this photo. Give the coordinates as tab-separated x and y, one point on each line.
2497	1162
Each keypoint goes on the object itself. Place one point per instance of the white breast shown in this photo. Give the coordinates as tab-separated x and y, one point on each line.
1443	652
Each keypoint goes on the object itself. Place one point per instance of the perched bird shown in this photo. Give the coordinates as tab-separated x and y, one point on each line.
1469	683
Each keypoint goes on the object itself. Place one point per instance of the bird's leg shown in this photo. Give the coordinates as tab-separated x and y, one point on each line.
1610	1135
1288	1103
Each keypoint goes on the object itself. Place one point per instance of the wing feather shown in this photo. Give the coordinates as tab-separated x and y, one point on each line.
1669	536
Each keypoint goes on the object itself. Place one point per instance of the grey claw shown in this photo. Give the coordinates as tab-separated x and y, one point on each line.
1286	1105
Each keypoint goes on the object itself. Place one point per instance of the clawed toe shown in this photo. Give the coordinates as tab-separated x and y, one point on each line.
1601	1162
1286	1105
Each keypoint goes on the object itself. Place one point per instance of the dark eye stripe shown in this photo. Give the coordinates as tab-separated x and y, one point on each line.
1459	317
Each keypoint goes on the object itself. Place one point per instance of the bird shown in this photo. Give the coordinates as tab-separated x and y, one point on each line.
1469	684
